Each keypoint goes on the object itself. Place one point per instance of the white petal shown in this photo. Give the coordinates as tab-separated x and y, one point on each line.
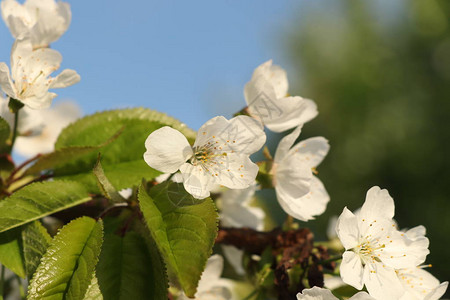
438	292
285	144
361	296
15	17
167	150
312	151
234	215
275	75
400	252
242	135
237	172
261	99
347	229
419	284
332	282
56	118
317	198
51	22
331	227
64	79
234	257
210	129
248	134
316	293
38	65
5	81
312	204
197	181
240	196
416	232
294	111
39	102
351	270
382	282
378	205
292	177
213	269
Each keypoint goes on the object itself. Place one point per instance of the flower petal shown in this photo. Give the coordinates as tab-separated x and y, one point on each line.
15	17
64	79
248	134
276	75
382	282
316	293
234	257
167	150
294	111
312	151
285	144
237	172
416	232
361	296
41	102
5	81
378	205
352	270
438	292
401	252
197	181
347	229
420	284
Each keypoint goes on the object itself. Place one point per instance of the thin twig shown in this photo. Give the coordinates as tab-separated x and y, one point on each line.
10	180
16	124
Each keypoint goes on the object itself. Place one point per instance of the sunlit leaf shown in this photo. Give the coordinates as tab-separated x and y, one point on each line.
67	267
37	200
184	234
129	269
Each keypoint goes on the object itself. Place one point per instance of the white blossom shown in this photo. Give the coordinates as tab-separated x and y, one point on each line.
211	286
43	20
316	293
29	81
30	122
300	193
418	283
375	248
220	154
267	99
56	118
235	211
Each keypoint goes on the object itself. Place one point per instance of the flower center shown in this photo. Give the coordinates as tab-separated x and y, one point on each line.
367	249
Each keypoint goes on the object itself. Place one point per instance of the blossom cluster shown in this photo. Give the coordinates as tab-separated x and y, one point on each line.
376	258
377	255
36	24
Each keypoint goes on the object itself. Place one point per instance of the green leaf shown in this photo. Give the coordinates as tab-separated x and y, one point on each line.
184	234
128	269
38	200
5	131
122	160
65	155
105	186
93	292
177	194
35	243
11	254
67	267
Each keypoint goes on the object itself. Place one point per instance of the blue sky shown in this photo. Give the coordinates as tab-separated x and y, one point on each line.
189	59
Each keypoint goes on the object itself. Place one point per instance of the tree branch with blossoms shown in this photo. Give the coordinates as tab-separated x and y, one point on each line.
133	204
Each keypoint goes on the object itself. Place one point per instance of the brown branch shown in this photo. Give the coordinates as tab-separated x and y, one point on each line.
255	242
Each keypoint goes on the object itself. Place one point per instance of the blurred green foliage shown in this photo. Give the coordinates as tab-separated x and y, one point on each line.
381	78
